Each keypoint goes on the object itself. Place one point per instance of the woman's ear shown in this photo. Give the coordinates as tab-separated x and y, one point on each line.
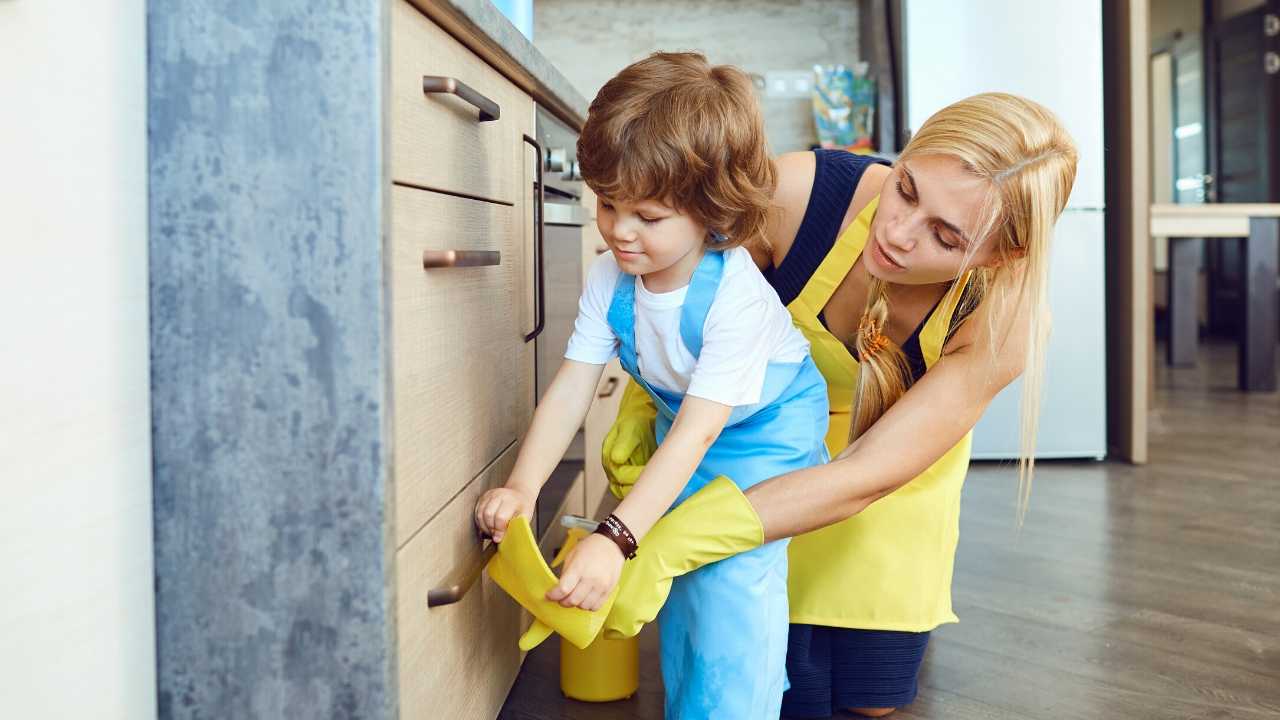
998	259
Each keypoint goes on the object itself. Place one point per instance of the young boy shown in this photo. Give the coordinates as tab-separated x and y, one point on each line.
674	149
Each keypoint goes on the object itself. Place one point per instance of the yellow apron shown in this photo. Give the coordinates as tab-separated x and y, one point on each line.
888	567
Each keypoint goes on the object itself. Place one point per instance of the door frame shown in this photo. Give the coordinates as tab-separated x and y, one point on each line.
1130	324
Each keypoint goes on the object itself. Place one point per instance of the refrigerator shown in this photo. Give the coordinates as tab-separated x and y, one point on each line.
1049	51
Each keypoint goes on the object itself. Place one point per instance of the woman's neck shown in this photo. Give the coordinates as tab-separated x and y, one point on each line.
909	305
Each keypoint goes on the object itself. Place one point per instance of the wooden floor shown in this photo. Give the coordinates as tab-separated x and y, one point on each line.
1131	592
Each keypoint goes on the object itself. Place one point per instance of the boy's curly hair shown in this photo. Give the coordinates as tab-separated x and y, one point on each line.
675	128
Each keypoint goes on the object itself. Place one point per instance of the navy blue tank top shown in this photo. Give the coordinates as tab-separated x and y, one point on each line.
836	175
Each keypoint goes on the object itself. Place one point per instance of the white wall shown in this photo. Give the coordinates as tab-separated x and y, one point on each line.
591	40
76	604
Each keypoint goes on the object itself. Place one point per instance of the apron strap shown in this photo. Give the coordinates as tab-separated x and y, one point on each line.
837	264
622	320
697	302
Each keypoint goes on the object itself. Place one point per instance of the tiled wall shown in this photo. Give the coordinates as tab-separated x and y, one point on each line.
591	40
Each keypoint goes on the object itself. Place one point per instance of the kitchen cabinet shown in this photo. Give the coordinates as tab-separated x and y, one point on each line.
343	245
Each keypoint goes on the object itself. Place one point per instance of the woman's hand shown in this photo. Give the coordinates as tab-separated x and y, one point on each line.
496	507
590	572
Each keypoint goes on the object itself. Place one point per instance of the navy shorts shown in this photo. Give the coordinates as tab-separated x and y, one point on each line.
832	668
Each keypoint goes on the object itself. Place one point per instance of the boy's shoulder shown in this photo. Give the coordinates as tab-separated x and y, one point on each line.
740	267
742	281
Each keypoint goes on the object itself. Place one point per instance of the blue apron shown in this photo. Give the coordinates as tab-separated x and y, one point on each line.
724	627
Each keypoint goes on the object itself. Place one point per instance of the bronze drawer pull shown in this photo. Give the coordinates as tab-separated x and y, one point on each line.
459	258
452	593
609	387
489	109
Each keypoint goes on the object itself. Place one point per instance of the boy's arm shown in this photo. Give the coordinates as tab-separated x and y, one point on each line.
591	570
555	421
696	427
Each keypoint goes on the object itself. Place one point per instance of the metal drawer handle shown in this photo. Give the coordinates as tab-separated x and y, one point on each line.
489	109
539	234
459	258
609	387
602	249
453	592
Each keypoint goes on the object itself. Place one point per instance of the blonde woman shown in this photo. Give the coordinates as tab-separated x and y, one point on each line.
921	288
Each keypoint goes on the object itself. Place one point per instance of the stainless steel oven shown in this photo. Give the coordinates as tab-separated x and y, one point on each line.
563	219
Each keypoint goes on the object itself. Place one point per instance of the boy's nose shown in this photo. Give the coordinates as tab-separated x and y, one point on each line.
624	232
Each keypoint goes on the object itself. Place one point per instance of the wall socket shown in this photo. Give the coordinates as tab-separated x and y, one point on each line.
788	83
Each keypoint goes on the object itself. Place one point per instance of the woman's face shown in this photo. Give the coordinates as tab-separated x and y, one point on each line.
924	228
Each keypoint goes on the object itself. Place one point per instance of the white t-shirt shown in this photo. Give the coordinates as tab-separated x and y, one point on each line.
747	328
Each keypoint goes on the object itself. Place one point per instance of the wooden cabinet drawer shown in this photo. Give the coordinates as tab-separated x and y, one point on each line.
437	140
459	660
604	410
462	375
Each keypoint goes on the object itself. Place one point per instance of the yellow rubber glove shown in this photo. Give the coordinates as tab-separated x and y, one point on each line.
519	569
631	441
711	524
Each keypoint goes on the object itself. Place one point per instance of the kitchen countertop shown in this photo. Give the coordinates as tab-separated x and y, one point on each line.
487	32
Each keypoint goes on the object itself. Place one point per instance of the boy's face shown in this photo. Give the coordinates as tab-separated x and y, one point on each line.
648	236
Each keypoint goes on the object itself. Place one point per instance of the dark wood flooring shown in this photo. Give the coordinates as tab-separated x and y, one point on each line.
1146	592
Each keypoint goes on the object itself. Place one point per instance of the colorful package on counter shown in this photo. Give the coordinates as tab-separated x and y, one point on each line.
844	105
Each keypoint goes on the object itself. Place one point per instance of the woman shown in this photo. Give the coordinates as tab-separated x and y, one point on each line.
921	287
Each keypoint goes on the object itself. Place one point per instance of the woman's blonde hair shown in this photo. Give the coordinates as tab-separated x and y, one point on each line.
676	128
1021	149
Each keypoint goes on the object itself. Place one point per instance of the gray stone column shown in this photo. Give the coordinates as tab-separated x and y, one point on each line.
268	356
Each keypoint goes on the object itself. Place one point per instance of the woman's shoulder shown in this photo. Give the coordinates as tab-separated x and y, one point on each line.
797	173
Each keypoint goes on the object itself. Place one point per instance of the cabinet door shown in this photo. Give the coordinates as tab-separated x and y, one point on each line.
456	661
462	373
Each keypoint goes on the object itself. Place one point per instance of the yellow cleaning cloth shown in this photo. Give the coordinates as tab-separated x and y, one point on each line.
519	569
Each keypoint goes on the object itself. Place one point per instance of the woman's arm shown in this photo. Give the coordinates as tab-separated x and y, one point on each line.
929	419
795	173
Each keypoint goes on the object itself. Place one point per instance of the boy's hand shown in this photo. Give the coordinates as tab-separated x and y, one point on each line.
496	507
590	572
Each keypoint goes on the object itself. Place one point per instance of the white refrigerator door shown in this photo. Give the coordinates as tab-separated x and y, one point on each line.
1047	50
1073	403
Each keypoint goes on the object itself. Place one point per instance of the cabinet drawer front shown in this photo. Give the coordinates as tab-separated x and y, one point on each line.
462	374
459	660
438	140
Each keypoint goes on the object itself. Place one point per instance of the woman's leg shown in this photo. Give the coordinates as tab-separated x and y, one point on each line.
871	712
876	671
809	670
